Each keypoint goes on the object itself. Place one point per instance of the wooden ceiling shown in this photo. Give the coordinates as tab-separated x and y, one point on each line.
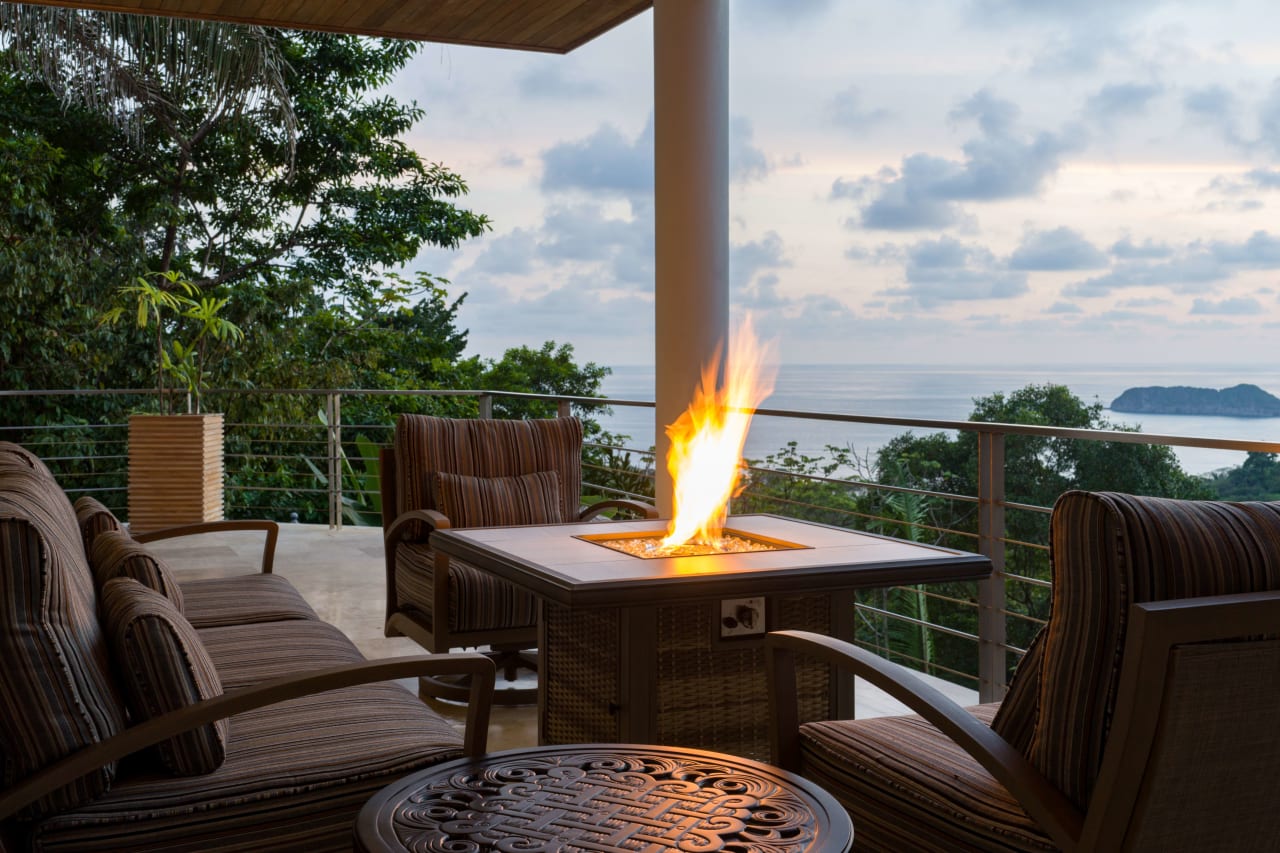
552	26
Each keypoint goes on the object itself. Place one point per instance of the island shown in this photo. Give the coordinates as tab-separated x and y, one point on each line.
1240	401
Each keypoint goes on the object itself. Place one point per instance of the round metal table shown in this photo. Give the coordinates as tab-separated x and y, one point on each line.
602	797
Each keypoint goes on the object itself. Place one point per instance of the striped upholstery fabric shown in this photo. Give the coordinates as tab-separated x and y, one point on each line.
241	600
910	788
94	518
164	667
295	776
116	555
296	646
497	501
55	683
477	599
18	454
485	448
1110	550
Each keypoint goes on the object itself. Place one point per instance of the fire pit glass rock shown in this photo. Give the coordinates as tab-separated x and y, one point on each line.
649	545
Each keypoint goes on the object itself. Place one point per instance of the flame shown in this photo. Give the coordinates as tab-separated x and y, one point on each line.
706	441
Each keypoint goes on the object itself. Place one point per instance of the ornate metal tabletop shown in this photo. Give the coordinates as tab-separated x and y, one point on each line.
605	797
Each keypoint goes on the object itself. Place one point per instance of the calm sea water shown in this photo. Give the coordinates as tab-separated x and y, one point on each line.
947	393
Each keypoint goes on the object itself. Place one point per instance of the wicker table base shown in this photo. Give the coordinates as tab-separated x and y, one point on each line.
605	797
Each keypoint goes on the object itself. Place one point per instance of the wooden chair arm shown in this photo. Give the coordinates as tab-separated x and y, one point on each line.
1054	813
640	509
430	517
129	741
269	527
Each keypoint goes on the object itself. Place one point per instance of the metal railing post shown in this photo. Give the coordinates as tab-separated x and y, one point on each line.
333	413
564	409
992	639
486	406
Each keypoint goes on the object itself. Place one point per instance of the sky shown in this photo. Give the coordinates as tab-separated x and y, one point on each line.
925	181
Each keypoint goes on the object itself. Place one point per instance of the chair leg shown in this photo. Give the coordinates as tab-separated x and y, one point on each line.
508	659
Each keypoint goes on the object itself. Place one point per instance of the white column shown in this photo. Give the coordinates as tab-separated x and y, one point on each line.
691	204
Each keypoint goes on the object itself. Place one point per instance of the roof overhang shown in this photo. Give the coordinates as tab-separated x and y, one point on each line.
550	26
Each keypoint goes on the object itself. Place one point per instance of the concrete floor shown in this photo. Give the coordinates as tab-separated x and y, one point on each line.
341	574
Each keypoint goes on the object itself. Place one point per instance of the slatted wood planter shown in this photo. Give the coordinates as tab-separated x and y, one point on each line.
175	470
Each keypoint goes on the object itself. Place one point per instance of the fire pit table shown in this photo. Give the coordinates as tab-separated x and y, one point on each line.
670	649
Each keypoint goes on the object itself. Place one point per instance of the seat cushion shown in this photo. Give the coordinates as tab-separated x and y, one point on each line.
242	600
498	501
57	692
908	787
478	600
163	667
116	555
295	776
250	654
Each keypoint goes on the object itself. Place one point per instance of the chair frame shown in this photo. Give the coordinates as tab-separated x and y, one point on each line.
1154	629
435	634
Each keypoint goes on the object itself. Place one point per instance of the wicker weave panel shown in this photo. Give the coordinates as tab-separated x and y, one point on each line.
580	670
714	695
705	693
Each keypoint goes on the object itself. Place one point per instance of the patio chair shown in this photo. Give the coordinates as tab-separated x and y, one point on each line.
446	472
1141	718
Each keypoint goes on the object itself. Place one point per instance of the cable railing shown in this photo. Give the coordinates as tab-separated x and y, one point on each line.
321	467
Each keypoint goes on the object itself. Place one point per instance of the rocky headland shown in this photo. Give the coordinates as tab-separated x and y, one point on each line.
1240	401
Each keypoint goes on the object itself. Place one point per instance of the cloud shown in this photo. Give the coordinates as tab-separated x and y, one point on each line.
606	161
1126	249
1193	270
845	110
772	13
746	162
1059	249
946	270
1063	308
1216	108
1240	305
610	163
999	163
750	264
554	79
1120	100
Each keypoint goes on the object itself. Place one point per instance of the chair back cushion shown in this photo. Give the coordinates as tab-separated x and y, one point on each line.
475	447
164	667
1109	551
56	688
94	517
116	555
498	501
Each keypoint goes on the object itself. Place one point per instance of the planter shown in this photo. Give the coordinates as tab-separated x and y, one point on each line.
175	470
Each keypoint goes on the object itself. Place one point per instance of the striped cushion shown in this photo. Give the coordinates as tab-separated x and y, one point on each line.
296	775
484	448
250	654
57	694
116	555
18	454
94	518
1109	551
909	787
1020	710
242	600
477	599
497	501
163	667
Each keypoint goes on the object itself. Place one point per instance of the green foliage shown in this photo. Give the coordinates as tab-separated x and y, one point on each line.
1258	479
549	369
165	300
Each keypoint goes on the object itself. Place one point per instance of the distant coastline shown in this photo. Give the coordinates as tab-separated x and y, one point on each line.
1239	401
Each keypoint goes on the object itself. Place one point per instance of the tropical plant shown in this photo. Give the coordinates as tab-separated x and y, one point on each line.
164	300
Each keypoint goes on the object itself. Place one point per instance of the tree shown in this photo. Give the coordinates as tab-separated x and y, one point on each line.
1257	479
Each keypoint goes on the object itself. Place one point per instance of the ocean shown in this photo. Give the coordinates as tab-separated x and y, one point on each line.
947	392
